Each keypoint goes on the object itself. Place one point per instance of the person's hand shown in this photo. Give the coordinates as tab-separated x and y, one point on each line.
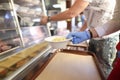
78	37
44	20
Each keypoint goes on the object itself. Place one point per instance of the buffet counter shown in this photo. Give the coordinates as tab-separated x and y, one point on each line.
18	66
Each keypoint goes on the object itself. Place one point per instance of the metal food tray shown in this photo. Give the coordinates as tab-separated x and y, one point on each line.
66	64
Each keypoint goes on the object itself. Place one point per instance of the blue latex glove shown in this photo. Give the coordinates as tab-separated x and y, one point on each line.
78	37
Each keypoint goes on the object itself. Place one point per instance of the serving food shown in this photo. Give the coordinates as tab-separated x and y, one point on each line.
57	42
58	39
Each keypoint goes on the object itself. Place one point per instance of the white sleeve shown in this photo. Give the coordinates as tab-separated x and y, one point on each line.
88	0
111	26
108	28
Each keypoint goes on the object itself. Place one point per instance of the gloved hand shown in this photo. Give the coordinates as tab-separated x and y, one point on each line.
78	37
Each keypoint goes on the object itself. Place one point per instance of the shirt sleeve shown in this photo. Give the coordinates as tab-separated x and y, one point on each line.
88	0
111	26
108	28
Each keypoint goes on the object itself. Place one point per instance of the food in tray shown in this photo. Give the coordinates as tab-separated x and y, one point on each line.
16	6
27	1
31	11
3	72
5	6
4	46
22	62
1	20
7	63
6	70
22	9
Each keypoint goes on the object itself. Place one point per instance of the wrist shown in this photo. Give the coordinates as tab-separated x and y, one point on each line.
48	19
93	32
91	35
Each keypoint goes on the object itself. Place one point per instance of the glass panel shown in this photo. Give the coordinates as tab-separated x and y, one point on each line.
7	20
33	35
28	12
9	37
28	15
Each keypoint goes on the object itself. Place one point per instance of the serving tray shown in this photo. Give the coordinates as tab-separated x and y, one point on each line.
71	65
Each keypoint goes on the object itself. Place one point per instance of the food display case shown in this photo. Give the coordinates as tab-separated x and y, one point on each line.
28	12
22	45
9	30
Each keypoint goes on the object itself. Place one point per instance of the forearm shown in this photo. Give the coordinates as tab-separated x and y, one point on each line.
75	9
106	29
93	33
84	27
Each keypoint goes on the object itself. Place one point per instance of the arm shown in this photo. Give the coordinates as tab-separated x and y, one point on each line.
111	26
84	27
75	9
99	31
108	28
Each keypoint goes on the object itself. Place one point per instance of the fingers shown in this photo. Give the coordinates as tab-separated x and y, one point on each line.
69	36
43	20
76	40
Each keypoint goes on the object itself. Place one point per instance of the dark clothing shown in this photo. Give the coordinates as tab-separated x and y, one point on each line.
115	73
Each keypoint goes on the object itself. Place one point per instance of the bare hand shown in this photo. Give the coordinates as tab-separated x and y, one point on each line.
44	20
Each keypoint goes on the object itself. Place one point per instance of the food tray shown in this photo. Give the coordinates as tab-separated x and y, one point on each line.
71	65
